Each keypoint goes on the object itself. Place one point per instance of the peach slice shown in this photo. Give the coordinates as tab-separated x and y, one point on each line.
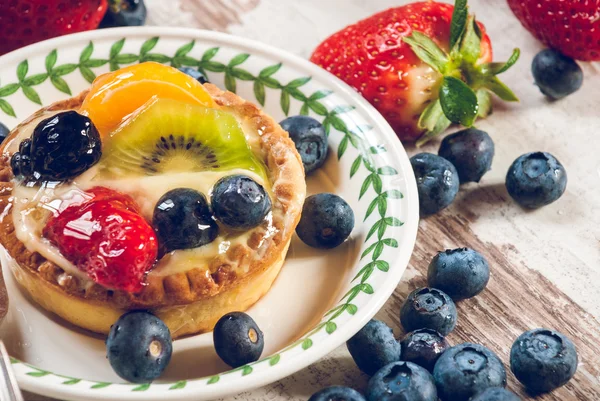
115	95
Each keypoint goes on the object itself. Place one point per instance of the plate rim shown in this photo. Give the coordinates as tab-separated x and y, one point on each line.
367	311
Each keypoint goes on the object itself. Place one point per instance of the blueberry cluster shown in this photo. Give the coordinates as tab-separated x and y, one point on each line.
60	148
422	366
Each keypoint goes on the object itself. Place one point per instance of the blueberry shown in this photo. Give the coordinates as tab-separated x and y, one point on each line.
496	394
556	75
401	381
197	75
337	393
428	308
139	347
182	220
423	347
461	273
373	347
471	151
238	340
240	202
437	182
536	179
61	148
124	13
310	138
327	220
4	131
467	369
543	360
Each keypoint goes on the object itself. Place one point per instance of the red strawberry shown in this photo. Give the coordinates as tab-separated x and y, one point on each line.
23	22
571	27
105	237
403	59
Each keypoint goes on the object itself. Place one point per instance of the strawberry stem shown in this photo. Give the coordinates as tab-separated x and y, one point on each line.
464	94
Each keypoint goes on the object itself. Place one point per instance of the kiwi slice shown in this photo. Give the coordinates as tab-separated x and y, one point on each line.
168	136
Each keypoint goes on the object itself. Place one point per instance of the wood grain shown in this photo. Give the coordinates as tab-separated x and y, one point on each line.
516	299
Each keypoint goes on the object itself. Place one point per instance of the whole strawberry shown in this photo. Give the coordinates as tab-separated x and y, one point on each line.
24	22
569	26
424	66
102	234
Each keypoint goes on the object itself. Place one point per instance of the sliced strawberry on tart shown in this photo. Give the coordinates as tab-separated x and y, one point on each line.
149	191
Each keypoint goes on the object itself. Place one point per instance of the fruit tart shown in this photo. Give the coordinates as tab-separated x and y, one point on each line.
149	191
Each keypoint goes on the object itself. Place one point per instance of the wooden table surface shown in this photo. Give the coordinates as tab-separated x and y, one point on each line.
545	264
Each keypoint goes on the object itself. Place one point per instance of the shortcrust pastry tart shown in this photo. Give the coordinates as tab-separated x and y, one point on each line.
82	182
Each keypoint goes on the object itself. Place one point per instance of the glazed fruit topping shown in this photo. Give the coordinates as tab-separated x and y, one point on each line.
139	347
168	137
327	220
106	238
310	139
238	340
60	148
240	202
117	94
182	220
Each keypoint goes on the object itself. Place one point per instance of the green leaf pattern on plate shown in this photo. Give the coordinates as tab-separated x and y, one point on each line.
331	118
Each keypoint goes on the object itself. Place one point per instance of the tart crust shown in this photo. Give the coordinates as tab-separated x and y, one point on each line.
189	302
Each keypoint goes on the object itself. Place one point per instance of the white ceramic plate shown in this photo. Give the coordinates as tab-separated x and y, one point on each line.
320	299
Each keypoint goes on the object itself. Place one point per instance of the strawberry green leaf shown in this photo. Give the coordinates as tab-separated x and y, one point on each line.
433	121
499	68
427	50
484	100
500	89
458	101
470	46
459	21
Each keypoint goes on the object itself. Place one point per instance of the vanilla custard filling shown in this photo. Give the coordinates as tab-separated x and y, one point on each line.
32	206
